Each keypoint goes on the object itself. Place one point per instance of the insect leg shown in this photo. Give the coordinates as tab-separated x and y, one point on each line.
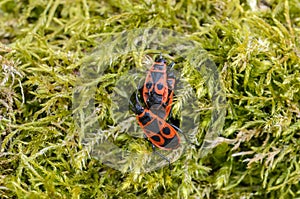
162	156
156	152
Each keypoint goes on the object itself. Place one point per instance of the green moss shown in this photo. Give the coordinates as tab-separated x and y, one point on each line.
256	50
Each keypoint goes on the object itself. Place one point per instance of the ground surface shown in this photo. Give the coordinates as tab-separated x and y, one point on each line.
255	46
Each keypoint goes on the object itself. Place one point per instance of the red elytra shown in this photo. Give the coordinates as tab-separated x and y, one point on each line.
158	89
160	133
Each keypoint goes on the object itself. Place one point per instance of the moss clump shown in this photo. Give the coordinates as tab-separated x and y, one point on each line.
255	45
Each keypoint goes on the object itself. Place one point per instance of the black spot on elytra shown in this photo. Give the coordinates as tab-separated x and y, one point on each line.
160	86
148	85
156	138
166	130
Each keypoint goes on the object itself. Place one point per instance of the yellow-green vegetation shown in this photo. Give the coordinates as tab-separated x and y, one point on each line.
255	45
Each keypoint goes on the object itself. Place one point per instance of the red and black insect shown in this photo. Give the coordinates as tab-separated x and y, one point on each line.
154	117
158	89
160	133
157	93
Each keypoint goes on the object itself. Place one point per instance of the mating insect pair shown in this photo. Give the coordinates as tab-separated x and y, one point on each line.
157	93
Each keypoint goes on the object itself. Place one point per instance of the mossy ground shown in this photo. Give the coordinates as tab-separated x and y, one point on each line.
255	46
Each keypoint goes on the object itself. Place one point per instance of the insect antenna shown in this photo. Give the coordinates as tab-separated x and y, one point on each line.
137	107
136	94
180	131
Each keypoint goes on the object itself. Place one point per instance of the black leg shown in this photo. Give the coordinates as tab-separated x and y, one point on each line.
162	156
156	152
